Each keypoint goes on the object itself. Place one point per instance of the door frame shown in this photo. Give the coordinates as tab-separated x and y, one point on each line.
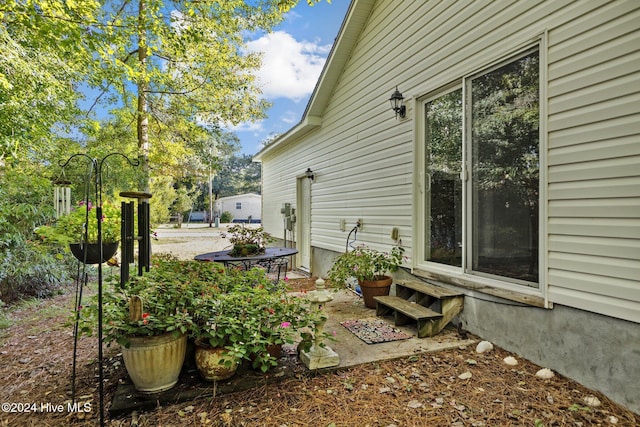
303	231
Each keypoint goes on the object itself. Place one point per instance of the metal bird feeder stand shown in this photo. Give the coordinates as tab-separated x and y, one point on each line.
94	175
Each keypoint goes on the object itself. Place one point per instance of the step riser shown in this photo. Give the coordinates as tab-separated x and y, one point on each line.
442	304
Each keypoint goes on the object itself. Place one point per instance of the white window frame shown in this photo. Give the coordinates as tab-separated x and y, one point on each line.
463	276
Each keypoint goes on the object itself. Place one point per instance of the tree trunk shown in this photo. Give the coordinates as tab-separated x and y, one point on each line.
142	86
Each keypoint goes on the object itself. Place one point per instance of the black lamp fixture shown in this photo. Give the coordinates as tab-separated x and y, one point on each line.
397	104
309	174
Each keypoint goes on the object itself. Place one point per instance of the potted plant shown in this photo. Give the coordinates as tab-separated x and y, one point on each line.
79	230
369	267
150	318
248	241
246	318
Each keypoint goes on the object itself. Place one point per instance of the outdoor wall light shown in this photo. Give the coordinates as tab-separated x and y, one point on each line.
397	104
309	174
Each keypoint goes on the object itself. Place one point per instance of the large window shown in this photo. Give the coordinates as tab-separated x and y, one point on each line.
496	234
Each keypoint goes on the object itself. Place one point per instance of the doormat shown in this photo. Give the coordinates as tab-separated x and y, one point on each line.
374	331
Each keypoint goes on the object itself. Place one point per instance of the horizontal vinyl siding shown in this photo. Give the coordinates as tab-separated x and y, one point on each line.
363	158
594	161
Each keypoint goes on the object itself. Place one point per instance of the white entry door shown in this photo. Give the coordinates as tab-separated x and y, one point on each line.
303	223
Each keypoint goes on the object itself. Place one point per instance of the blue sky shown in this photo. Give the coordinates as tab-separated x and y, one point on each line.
293	57
294	54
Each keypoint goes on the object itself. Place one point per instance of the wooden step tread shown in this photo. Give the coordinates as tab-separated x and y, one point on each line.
429	289
412	310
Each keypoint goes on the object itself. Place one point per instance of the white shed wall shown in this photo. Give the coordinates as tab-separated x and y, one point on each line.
250	206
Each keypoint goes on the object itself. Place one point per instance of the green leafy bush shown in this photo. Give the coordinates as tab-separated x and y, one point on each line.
70	228
26	268
242	311
226	217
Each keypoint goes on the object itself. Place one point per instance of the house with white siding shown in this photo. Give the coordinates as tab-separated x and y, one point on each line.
511	173
243	207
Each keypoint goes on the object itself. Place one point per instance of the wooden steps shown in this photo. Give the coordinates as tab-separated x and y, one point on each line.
431	306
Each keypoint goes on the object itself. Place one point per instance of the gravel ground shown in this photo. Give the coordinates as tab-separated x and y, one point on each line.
190	240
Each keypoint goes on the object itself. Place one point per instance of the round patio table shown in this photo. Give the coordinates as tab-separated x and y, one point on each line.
271	259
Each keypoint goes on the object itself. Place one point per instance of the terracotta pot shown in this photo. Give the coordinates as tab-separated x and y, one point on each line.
374	288
274	350
93	251
215	364
154	363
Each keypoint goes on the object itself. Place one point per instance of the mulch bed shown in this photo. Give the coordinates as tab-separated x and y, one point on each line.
422	390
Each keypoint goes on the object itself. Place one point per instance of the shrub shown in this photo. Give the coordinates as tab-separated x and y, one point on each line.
26	270
226	217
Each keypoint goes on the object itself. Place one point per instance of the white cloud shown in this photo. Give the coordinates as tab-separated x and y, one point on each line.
255	127
289	117
290	68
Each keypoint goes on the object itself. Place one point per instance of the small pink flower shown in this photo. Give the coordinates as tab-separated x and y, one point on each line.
285	324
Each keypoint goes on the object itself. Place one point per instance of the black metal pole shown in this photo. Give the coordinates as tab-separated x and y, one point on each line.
96	166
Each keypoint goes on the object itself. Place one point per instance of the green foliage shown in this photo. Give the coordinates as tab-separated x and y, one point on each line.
21	211
45	51
364	264
4	319
226	217
81	225
26	269
185	66
244	311
248	240
167	292
248	314
29	270
578	408
237	175
506	119
163	196
183	203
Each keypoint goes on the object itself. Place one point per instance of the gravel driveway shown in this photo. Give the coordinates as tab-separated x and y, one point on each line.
190	240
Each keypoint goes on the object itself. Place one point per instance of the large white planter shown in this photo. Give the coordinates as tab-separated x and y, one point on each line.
154	363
